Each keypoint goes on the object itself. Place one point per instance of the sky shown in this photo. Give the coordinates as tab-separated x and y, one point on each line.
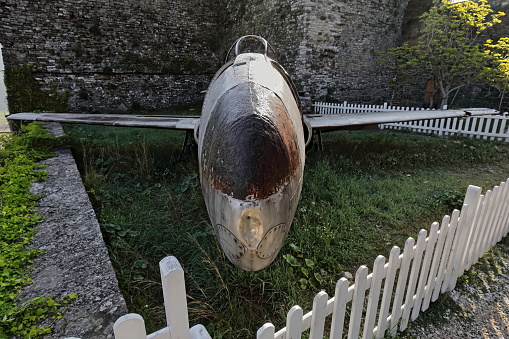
3	94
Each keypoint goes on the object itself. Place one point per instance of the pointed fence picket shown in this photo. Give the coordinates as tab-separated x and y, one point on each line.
379	303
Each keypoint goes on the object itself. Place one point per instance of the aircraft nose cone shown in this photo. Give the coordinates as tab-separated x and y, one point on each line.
248	242
251	174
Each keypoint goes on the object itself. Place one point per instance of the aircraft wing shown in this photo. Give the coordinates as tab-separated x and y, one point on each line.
180	122
328	122
323	122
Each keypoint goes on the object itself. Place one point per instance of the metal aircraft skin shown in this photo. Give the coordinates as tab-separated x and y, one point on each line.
251	150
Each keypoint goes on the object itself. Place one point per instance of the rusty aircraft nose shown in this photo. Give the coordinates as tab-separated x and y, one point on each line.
251	168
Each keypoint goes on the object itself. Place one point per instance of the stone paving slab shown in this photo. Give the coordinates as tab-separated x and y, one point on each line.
76	259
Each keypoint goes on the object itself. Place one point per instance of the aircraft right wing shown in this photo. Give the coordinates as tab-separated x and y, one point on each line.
179	122
330	122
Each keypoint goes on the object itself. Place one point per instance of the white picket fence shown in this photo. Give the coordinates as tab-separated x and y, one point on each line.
485	127
399	289
482	127
346	108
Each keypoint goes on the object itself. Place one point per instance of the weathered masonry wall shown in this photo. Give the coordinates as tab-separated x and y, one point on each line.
158	53
341	39
328	46
74	258
104	52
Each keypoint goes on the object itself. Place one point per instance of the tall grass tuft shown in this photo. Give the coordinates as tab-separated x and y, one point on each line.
367	192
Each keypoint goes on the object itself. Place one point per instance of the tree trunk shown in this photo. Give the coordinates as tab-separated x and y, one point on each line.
445	96
443	103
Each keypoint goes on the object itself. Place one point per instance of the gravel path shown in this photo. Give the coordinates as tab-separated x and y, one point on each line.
477	308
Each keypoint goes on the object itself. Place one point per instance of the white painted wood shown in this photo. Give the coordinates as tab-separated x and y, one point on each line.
457	249
338	314
452	126
443	270
486	129
501	131
392	267
497	221
432	278
294	323
426	264
505	216
504	213
374	295
498	213
496	210
306	321
130	326
319	314
488	227
406	259
267	331
174	294
199	332
163	333
482	234
412	281
358	302
472	199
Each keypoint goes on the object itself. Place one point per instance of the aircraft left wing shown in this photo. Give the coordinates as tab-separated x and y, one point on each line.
329	122
179	122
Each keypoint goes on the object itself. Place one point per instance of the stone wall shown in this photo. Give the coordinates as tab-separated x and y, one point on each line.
104	52
341	39
158	53
74	258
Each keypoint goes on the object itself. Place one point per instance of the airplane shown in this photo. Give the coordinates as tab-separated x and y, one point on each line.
251	138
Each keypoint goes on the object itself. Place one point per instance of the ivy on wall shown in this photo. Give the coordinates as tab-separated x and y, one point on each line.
24	93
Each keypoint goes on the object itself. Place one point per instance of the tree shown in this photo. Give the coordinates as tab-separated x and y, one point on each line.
448	49
497	74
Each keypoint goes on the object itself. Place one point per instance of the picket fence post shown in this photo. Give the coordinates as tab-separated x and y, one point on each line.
359	293
339	308
132	326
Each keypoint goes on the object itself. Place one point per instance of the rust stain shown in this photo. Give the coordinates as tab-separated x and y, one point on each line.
250	146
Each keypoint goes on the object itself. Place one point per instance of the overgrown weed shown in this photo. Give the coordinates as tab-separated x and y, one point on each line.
367	192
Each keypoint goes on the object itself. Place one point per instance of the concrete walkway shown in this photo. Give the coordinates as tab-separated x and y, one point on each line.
4	126
75	258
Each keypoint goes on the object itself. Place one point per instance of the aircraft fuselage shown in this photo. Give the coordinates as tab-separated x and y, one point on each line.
251	152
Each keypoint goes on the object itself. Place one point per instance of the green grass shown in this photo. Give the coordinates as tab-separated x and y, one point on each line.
367	192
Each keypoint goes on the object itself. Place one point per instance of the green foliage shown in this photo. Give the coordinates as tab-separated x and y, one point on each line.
497	74
24	93
17	221
448	49
305	268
